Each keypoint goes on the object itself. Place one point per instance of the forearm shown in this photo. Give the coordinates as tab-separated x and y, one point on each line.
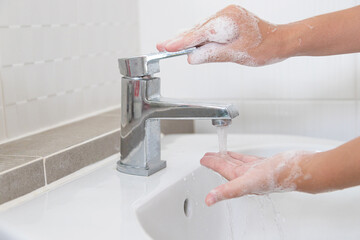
328	34
332	170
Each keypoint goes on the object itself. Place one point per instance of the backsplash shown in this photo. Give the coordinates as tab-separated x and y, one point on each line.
58	60
310	96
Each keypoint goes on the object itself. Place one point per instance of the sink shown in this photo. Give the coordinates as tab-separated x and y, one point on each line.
181	213
106	204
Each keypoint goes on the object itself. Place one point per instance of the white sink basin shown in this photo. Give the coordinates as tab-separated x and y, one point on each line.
106	204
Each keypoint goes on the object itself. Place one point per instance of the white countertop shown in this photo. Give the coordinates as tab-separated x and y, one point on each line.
100	204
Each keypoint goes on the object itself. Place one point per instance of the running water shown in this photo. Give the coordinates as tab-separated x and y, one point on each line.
277	218
222	136
265	203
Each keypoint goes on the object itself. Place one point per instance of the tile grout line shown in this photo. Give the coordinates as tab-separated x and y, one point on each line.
45	176
71	91
57	25
61	59
21	165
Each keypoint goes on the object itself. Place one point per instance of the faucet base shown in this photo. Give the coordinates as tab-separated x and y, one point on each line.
151	169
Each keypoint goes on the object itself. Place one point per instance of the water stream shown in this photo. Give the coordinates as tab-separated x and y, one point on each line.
222	138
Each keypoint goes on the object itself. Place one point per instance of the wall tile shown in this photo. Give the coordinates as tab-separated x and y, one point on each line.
22	180
324	119
12	78
2	126
3	135
56	12
67	162
65	55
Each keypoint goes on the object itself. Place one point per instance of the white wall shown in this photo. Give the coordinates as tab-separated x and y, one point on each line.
58	60
317	96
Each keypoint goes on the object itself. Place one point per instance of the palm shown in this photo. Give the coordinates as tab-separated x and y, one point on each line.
232	165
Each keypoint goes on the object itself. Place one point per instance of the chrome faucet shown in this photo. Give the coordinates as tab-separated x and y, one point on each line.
142	107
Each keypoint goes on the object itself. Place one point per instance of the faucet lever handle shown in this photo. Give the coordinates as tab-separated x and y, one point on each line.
146	64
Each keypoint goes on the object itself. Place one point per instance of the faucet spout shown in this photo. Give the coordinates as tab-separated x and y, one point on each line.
142	107
167	108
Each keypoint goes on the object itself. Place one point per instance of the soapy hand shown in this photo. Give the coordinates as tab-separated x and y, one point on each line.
256	175
231	35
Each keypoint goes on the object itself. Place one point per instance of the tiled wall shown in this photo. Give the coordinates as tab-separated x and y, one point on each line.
2	123
316	96
59	60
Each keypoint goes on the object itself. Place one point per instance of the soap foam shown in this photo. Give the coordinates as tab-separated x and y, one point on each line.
263	176
221	30
207	53
227	40
214	52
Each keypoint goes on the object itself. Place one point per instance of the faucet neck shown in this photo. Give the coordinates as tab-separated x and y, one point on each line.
139	135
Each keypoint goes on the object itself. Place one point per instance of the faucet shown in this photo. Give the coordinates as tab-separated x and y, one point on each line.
142	107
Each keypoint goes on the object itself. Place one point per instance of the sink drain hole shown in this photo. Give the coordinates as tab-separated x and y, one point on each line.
187	208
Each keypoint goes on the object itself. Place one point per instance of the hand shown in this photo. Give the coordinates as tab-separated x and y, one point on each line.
231	35
256	175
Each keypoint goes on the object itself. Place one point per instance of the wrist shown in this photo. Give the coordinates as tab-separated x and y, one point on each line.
289	35
279	43
294	170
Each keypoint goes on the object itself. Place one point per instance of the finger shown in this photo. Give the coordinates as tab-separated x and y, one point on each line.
192	39
222	166
237	156
244	158
223	156
231	189
211	154
210	52
226	157
161	46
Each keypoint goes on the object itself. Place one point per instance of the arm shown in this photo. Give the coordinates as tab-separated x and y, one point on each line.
328	34
301	171
236	35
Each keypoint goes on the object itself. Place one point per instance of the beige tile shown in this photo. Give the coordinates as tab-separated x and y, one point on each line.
69	161
58	139
9	162
21	181
177	126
